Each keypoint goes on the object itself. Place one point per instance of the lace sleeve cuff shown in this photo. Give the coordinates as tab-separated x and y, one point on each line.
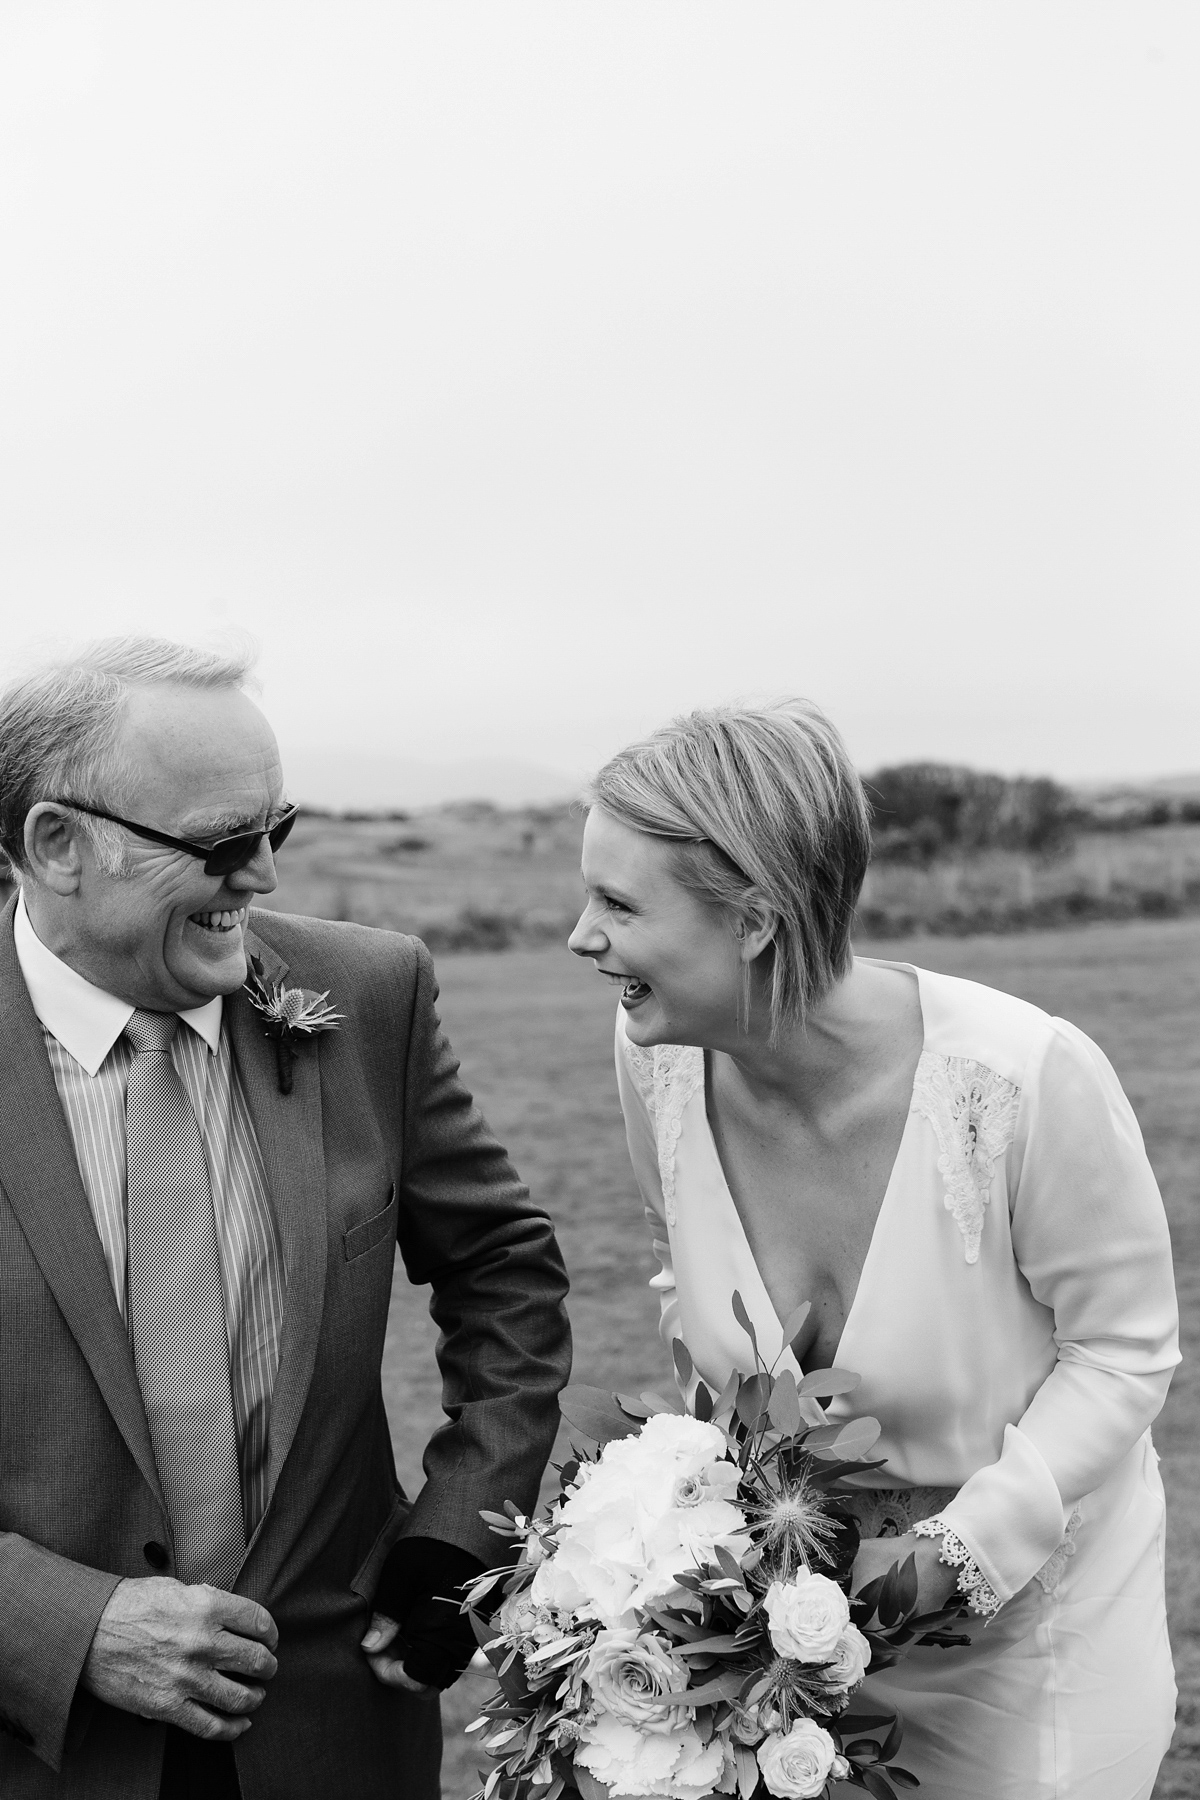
980	1595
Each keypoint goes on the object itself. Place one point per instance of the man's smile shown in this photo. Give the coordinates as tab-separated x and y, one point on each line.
219	921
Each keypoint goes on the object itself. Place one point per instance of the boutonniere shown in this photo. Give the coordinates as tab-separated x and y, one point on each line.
291	1015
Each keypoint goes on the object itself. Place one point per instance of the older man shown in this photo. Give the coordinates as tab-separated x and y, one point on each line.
198	1503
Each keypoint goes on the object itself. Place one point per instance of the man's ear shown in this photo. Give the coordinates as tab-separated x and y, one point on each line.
755	930
53	850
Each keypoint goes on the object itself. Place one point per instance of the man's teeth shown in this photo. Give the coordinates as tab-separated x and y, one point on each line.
219	921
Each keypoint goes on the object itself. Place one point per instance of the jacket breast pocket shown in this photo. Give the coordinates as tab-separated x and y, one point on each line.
364	1236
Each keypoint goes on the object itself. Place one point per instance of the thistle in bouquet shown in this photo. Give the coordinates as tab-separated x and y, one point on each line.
679	1623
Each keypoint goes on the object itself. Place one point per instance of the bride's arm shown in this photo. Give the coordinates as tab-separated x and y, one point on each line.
635	1085
1090	1237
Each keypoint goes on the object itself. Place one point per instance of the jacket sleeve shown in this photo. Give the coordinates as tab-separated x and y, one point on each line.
49	1610
635	1088
468	1228
1090	1236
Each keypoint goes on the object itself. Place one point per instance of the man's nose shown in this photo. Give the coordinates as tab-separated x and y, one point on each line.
587	939
258	876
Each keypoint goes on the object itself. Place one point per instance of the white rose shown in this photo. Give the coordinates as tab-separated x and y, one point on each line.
841	1768
850	1660
675	1764
635	1680
806	1617
796	1767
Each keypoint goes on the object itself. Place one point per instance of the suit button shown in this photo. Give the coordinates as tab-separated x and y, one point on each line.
156	1554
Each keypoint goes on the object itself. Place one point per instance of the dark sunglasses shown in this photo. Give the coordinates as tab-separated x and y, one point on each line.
222	858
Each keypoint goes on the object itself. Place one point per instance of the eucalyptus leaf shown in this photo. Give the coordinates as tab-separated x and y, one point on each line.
744	1320
793	1325
888	1606
703	1402
637	1409
752	1399
594	1413
726	1399
726	1687
857	1437
824	1383
892	1741
908	1587
659	1404
783	1408
683	1360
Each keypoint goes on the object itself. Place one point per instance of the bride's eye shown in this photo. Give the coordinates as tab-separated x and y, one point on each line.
617	906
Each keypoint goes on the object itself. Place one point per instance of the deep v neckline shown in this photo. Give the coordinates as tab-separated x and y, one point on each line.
768	1308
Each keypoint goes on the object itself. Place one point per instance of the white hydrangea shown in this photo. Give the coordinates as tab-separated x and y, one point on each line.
649	1510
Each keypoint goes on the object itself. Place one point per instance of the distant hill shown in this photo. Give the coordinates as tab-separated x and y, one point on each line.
339	779
1159	787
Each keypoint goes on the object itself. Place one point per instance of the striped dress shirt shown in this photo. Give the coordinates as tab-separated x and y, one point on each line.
82	1027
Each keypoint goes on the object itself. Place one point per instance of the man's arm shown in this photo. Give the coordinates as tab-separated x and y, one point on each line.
468	1227
190	1655
49	1610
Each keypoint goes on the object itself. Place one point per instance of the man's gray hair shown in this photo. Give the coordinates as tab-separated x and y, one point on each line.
60	725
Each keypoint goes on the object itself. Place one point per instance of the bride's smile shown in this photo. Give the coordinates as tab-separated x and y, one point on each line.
676	958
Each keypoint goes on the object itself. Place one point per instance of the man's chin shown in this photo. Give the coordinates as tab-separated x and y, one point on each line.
216	968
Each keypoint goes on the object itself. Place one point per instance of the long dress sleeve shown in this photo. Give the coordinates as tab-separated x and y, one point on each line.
635	1085
1090	1237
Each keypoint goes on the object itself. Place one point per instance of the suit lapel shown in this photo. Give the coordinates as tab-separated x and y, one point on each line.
41	1180
288	1129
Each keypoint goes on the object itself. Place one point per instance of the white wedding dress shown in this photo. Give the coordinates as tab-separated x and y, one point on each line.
1015	1330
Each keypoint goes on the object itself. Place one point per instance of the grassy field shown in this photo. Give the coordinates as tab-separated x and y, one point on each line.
534	1031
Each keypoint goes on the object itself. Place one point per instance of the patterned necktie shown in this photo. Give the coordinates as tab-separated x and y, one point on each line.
177	1313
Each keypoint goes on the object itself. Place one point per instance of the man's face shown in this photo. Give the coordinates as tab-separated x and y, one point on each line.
166	936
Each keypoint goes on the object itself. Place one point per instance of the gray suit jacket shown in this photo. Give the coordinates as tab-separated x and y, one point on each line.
378	1143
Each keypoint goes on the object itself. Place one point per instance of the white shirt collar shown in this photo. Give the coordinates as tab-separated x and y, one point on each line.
87	1021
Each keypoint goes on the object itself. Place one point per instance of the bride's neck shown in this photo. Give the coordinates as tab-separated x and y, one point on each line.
862	1021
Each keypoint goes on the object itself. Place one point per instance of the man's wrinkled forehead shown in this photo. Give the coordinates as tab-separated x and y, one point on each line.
208	758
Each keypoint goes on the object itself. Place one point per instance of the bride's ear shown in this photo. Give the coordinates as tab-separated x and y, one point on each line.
754	930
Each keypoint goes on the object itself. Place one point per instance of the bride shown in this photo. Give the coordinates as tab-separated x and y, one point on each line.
957	1183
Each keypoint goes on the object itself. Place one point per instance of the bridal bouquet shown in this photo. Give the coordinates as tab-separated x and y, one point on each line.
679	1624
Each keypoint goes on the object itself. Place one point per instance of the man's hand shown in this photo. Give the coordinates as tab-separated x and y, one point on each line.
419	1636
937	1582
191	1656
385	1665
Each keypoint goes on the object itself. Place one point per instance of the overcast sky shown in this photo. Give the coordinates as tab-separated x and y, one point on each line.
523	374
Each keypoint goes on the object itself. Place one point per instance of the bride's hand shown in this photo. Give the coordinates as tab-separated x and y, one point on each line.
936	1581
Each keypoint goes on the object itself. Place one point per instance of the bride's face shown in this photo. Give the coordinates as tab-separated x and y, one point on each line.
674	958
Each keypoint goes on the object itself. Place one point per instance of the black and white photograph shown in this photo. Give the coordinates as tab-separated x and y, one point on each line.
599	900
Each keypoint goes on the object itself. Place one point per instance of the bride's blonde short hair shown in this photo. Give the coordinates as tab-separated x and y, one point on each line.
769	820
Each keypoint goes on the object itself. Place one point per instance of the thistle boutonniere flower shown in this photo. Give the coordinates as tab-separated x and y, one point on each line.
291	1016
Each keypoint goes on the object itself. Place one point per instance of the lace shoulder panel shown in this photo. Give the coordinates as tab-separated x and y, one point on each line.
678	1075
973	1112
666	1078
640	1064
